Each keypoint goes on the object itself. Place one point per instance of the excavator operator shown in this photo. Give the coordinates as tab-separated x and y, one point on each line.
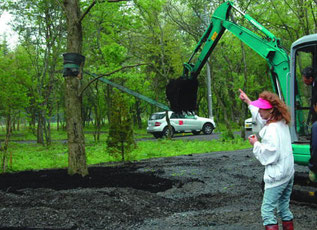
309	78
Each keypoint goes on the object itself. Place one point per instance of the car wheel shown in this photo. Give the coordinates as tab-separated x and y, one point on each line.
196	132
208	128
166	132
157	135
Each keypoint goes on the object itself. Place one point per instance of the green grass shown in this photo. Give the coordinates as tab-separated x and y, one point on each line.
169	148
32	156
35	156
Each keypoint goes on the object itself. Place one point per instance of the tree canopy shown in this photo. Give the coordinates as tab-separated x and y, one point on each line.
161	33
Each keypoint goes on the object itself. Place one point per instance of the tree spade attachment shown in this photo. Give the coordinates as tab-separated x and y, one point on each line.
182	94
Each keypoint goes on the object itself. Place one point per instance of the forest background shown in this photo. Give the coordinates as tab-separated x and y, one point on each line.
158	36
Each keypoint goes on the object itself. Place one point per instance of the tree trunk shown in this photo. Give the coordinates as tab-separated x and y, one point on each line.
6	142
47	131
108	98
122	151
97	124
98	116
76	142
18	122
73	101
223	104
168	121
58	118
39	131
33	122
138	113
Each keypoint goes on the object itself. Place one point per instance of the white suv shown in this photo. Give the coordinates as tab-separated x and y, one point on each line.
181	123
251	125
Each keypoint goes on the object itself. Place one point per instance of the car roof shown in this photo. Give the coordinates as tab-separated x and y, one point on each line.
162	112
158	113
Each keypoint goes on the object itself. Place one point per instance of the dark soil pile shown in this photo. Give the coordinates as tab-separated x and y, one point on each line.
208	191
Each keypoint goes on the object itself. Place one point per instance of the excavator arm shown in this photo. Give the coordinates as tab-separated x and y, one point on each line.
182	92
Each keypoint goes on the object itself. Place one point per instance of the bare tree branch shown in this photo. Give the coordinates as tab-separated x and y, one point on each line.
314	14
87	11
92	5
108	74
116	0
60	2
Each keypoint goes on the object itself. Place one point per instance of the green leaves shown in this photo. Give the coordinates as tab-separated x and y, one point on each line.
120	139
14	81
161	32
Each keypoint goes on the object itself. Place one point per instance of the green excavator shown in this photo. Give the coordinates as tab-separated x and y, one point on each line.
285	72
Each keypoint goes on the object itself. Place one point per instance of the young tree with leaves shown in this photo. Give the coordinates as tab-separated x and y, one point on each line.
121	139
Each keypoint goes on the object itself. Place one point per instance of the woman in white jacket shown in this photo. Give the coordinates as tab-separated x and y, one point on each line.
275	153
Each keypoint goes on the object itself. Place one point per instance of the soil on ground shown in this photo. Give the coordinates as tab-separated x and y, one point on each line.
214	191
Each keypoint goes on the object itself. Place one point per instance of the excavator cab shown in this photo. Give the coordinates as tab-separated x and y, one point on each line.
303	55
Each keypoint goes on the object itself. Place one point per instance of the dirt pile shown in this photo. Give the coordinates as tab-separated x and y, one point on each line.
208	191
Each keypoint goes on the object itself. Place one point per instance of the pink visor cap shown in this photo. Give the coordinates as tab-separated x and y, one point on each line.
262	104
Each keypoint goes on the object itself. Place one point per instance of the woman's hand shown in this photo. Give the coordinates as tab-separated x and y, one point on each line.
252	139
244	97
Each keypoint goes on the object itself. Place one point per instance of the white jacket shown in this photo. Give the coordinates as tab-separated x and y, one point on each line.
274	151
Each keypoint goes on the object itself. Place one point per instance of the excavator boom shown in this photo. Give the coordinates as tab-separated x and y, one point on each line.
181	92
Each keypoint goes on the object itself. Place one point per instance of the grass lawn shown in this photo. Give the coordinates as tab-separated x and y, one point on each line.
32	156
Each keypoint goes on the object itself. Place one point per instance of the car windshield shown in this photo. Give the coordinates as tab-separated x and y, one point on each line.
157	116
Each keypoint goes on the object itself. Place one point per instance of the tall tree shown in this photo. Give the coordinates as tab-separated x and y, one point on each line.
14	82
73	93
40	26
73	99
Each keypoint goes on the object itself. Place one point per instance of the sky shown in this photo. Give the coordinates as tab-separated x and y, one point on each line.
5	29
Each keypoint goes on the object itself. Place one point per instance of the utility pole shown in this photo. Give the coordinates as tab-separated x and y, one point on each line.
208	75
209	94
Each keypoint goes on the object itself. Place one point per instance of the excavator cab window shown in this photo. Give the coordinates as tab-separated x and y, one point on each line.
305	57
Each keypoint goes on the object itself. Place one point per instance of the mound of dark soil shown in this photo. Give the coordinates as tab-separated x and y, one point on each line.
57	179
207	191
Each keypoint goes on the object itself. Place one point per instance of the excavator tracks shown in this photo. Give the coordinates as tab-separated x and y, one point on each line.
304	190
